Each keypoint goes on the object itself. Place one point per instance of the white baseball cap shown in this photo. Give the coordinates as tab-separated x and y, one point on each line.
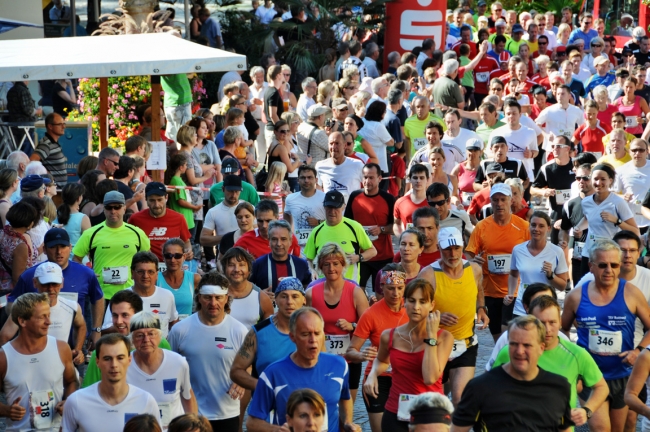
449	236
501	188
49	272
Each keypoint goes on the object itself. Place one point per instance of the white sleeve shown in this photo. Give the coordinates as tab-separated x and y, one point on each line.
173	311
152	408
69	422
108	318
541	118
562	266
533	141
209	222
498	345
186	385
173	339
468	223
383	132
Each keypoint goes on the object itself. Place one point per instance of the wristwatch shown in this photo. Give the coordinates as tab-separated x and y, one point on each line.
383	230
431	342
588	411
360	258
485	308
97	329
354	325
550	277
618	222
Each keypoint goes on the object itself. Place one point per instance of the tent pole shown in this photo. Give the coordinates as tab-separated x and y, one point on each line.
188	34
73	17
156	88
103	113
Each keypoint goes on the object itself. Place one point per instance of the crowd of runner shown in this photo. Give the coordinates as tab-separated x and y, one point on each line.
314	241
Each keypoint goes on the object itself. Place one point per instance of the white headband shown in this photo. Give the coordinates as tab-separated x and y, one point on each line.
212	290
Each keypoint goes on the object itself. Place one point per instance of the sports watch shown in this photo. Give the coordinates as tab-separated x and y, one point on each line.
432	342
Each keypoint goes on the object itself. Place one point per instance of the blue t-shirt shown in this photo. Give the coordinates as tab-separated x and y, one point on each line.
329	378
77	278
597	80
587	37
272	345
294	266
218	140
393	126
454	31
211	30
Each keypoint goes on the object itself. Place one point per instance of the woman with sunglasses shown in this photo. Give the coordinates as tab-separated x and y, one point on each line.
176	278
279	150
345	88
605	213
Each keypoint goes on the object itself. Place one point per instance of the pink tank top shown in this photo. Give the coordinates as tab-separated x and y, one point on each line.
466	179
631	112
407	375
332	313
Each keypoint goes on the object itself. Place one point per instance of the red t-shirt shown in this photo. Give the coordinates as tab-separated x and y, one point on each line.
592	139
398	170
404	208
161	229
605	117
482	74
501	74
542	81
481	199
527	86
258	246
424	259
371	211
473	51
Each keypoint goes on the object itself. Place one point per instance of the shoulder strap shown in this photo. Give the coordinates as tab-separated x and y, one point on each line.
311	134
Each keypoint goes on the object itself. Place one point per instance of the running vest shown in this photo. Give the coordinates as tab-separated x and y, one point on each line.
38	380
247	310
606	331
272	345
61	317
457	296
184	295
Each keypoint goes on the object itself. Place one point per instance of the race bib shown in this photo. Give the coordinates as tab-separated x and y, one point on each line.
165	412
337	344
115	275
467	197
181	317
458	349
370	236
418	143
162	267
605	342
562	196
403	413
42	410
410	225
482	76
302	234
631	122
577	249
499	264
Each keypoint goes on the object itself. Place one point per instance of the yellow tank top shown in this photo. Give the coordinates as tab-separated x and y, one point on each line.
457	296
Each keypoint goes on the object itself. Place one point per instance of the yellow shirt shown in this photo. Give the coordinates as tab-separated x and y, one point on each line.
457	296
616	163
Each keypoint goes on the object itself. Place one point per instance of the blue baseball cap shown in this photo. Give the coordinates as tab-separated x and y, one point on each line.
290	283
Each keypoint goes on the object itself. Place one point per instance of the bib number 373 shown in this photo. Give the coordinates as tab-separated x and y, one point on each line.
337	344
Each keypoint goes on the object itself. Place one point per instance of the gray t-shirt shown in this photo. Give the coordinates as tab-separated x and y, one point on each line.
208	155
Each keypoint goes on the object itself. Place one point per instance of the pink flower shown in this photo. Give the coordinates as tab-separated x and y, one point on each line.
110	111
115	86
121	109
143	92
128	95
111	121
124	101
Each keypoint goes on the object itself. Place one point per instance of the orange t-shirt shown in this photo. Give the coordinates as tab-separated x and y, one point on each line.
374	321
497	242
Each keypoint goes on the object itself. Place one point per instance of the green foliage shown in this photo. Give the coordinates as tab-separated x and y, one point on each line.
542	6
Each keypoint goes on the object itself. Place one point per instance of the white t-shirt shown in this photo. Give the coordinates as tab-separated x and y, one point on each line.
210	352
221	219
304	103
613	204
61	319
301	208
377	135
345	178
166	385
530	268
642	282
518	141
457	147
630	179
453	156
552	39
503	341
86	411
560	121
161	303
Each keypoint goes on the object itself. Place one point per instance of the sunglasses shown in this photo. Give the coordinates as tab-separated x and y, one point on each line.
637	150
582	178
283	131
558	146
605	265
437	203
496	89
596	46
117	164
177	256
113	207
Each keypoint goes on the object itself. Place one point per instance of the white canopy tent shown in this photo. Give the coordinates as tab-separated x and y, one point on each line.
108	56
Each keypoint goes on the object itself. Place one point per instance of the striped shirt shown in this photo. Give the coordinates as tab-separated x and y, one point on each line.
53	159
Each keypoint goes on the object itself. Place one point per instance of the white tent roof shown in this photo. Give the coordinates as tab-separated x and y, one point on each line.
106	56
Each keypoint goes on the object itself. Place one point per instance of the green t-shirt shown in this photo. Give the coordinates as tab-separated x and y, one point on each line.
349	234
177	89
468	78
566	359
181	194
414	130
112	251
484	131
494	35
248	194
94	375
513	46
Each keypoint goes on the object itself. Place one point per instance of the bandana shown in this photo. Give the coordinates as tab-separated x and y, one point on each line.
393	277
212	290
430	416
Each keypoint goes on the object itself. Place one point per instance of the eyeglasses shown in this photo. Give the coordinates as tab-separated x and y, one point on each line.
437	203
351	88
637	150
117	164
612	265
283	131
286	75
587	22
141	336
629	251
498	10
343	109
145	272
168	255
497	89
558	146
542	43
113	208
596	46
582	178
